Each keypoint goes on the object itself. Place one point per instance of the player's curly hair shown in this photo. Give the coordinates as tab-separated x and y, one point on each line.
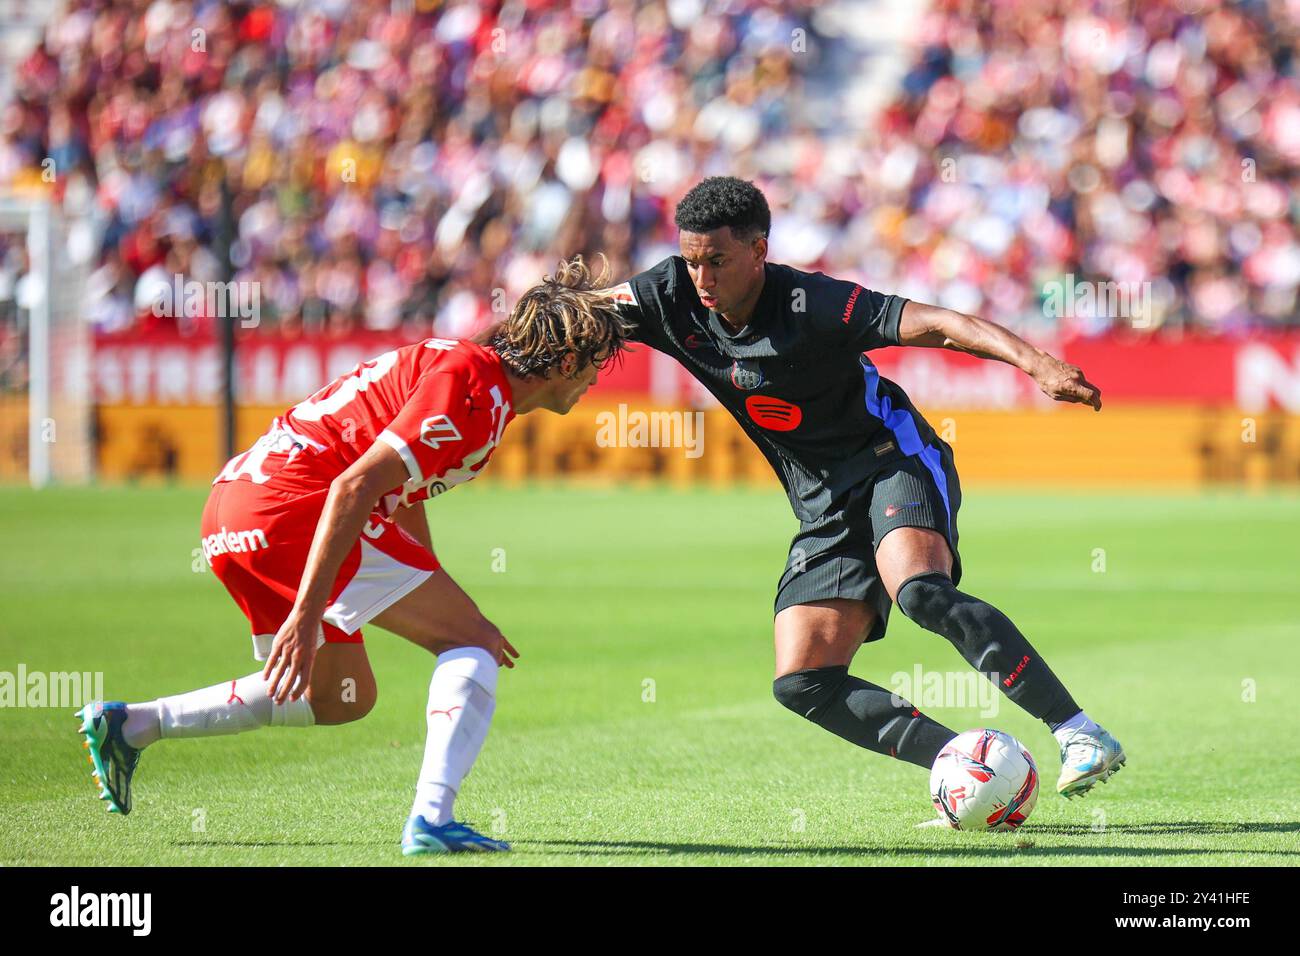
725	201
568	312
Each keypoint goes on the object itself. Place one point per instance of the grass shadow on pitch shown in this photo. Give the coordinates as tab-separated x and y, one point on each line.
268	844
1004	852
1169	828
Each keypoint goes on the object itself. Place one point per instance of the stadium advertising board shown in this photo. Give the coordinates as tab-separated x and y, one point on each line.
1182	412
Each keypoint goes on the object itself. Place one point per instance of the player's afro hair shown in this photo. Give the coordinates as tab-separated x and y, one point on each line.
725	201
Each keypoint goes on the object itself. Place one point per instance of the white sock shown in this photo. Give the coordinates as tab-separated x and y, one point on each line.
434	802
228	708
1079	721
462	698
143	724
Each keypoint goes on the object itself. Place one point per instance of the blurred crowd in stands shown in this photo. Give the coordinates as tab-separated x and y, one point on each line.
414	164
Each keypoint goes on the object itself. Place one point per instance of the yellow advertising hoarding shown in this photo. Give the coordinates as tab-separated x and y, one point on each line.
1063	446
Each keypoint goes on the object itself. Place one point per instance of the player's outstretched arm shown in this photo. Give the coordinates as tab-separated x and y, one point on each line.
929	326
353	495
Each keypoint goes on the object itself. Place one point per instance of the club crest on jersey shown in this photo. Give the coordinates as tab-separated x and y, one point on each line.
438	429
746	374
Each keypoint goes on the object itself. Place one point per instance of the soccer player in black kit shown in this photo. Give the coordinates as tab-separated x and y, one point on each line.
874	488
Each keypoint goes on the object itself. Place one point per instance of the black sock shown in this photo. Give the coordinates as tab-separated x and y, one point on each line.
863	714
989	642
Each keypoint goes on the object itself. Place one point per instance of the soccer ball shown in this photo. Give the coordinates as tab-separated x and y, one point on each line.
984	780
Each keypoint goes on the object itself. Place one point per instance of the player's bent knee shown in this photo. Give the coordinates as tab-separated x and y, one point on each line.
927	598
365	704
807	692
342	713
352	704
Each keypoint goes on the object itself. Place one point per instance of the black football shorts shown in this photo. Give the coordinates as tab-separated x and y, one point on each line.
835	556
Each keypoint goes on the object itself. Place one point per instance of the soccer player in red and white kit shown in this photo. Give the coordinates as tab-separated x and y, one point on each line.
319	529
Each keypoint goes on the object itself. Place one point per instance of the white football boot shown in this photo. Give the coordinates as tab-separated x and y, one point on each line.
1086	758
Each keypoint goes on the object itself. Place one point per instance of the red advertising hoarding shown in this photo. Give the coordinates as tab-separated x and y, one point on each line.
1252	374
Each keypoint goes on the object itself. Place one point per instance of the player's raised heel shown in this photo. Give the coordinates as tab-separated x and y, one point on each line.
421	836
113	759
1087	759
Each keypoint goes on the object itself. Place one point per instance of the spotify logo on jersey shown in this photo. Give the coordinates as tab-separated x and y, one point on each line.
774	414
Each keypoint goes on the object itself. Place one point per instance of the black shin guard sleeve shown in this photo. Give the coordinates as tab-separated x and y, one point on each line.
989	642
863	714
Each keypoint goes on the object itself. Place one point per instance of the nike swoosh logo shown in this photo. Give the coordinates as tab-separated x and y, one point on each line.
693	341
895	509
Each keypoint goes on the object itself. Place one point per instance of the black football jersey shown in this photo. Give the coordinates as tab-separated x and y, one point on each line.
797	378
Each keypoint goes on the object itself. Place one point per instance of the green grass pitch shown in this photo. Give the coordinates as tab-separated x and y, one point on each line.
640	727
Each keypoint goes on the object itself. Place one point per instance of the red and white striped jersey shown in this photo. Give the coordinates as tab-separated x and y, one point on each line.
441	404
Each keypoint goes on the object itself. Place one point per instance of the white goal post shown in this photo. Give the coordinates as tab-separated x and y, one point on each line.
46	378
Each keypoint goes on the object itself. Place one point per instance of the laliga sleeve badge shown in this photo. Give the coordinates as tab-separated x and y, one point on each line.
623	294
